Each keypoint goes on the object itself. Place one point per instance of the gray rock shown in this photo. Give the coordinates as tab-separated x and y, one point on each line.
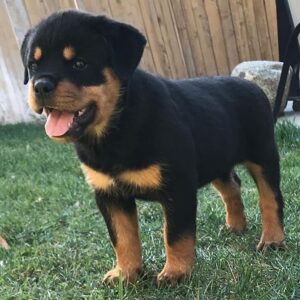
265	74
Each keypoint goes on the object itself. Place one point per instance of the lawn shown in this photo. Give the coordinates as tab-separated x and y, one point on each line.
60	247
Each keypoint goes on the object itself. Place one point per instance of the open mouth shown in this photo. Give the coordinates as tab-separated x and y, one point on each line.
62	123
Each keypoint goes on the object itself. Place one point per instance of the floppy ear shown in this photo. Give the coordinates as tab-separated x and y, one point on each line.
26	77
24	54
126	45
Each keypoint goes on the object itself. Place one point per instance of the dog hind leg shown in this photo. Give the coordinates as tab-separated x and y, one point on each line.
230	192
267	178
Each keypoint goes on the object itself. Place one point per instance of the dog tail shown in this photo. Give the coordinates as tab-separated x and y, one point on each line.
290	60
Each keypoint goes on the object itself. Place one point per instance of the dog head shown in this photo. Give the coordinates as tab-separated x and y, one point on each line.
76	64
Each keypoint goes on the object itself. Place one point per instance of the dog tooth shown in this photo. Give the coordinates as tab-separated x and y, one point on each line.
81	112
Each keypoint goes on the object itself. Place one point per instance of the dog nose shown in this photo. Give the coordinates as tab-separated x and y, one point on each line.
43	87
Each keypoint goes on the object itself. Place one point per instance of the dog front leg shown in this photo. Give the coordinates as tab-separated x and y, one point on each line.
179	239
121	219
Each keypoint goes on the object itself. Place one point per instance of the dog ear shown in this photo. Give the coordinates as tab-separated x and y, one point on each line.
25	53
26	77
126	43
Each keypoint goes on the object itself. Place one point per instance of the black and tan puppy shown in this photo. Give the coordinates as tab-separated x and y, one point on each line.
140	135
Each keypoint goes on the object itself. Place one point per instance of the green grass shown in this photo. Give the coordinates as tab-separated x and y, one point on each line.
60	247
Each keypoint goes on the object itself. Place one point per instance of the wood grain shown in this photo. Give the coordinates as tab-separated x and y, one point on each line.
185	38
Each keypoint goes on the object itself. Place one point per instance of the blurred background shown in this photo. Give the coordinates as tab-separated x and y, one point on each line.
186	38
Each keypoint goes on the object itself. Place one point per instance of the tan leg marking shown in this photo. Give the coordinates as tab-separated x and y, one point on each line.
272	231
37	54
97	180
180	259
230	193
127	248
3	243
149	177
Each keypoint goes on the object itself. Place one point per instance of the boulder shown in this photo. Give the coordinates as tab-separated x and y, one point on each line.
265	74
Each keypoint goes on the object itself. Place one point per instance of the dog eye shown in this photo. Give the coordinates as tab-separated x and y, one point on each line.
79	65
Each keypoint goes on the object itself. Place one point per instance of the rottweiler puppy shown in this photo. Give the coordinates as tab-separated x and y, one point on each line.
138	135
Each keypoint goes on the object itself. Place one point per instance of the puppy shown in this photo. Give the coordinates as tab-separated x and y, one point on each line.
138	135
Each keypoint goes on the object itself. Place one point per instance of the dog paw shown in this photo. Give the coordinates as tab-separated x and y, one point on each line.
273	245
236	228
237	225
3	244
171	277
114	276
272	239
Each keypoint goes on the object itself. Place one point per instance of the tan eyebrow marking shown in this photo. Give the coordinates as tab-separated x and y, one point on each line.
68	52
37	54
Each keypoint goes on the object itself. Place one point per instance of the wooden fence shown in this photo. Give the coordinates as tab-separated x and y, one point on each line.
186	38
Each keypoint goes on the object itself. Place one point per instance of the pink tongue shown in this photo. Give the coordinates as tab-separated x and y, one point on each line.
58	123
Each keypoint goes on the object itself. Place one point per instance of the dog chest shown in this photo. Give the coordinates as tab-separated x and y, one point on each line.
146	178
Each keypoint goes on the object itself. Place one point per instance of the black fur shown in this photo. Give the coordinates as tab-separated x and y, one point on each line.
291	60
197	130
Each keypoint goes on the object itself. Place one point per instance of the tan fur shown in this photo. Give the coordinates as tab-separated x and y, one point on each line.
272	231
127	249
149	177
3	243
97	180
31	99
69	53
68	97
180	259
231	196
106	97
62	140
37	54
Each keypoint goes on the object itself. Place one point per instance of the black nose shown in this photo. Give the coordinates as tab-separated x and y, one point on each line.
43	87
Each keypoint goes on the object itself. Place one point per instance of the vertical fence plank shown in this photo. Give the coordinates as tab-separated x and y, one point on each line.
100	7
194	39
262	30
270	8
55	5
152	28
36	10
171	42
12	93
253	40
39	9
204	36
240	30
129	12
185	37
229	35
179	22
217	36
18	18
